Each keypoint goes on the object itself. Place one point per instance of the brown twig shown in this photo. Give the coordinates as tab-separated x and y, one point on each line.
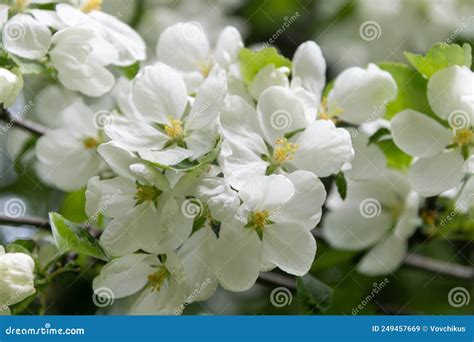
30	126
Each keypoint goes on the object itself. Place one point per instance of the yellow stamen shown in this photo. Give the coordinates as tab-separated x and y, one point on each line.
204	67
21	4
146	193
175	129
91	5
324	113
284	150
260	219
157	279
90	143
464	137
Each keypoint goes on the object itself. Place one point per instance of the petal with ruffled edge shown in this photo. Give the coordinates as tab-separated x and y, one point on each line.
289	246
361	94
434	175
159	92
219	196
310	66
323	148
419	135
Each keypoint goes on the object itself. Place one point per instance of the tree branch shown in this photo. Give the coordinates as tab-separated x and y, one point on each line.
30	126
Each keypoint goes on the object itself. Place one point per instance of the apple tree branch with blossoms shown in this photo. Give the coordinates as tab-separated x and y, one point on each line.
212	166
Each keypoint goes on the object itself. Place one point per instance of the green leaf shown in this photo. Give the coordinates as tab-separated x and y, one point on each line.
382	134
27	66
130	71
73	206
251	62
69	236
313	293
341	184
440	56
396	158
21	246
412	88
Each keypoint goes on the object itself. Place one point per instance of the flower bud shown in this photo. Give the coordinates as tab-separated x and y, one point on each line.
16	278
11	84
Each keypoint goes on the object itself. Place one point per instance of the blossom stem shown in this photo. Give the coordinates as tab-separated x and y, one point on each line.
30	126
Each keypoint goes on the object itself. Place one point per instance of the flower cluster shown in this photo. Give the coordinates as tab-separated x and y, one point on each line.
204	165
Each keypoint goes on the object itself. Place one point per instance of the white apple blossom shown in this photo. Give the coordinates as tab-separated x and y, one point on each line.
439	149
71	166
379	215
185	47
176	128
271	227
11	84
256	142
17	280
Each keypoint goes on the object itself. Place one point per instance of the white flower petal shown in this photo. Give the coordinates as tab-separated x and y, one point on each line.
26	37
218	195
168	157
118	158
362	93
309	65
126	275
385	257
159	92
238	258
434	175
419	135
228	47
291	247
450	90
267	77
323	148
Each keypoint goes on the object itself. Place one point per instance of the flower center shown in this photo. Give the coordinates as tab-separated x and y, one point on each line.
146	193
324	113
158	278
464	137
91	5
258	220
91	143
284	150
204	67
175	129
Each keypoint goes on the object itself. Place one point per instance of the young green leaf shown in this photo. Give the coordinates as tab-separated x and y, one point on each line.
440	56
130	71
251	62
69	236
313	293
382	134
396	158
73	206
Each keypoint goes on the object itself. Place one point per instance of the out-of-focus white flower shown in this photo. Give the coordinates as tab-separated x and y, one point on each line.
17	279
11	84
439	149
379	215
76	161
